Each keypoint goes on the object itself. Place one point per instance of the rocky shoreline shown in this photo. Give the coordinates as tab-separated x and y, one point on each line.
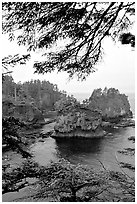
33	132
105	109
104	130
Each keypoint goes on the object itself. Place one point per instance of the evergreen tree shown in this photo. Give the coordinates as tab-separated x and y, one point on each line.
82	26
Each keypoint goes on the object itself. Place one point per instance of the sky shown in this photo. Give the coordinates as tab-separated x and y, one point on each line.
117	70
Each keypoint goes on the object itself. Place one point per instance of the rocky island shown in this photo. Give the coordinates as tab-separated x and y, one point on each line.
105	109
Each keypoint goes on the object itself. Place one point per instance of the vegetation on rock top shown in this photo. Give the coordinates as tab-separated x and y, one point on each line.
110	102
28	101
103	105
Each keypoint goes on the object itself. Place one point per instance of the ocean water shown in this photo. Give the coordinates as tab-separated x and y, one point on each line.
88	151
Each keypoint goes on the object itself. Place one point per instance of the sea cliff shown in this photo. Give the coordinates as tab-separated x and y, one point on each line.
104	109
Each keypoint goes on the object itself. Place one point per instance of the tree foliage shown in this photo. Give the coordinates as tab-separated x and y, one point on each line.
66	104
83	25
127	38
11	61
11	137
14	178
63	181
42	94
110	102
8	86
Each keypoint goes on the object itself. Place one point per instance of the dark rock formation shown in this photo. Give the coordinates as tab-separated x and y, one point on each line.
132	138
126	123
113	105
103	111
26	112
7	108
81	123
80	133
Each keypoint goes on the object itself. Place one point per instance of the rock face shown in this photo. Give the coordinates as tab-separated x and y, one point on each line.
81	122
25	112
111	103
79	133
28	113
7	108
104	110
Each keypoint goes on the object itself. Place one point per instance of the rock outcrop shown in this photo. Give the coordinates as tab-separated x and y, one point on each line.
104	110
113	105
80	122
26	112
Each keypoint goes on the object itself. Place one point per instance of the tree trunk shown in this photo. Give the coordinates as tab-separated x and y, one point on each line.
74	198
15	93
